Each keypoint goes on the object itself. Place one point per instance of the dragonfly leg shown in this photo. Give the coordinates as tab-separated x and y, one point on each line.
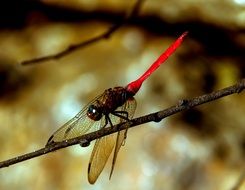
107	119
120	114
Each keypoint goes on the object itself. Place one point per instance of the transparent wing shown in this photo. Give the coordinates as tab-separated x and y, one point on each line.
104	146
77	126
101	152
129	107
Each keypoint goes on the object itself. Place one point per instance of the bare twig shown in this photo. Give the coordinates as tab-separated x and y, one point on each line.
156	117
134	11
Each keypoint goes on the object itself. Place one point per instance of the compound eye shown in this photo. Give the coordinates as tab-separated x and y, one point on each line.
94	113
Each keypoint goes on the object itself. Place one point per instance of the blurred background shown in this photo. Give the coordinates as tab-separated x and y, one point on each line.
199	149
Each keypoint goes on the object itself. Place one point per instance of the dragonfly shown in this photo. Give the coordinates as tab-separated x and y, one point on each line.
113	106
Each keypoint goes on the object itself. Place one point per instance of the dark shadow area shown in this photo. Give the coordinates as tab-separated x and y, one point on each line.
216	40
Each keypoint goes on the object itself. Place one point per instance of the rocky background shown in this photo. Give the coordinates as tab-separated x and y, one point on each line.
198	149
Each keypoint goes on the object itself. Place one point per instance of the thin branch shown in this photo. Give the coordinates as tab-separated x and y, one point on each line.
85	140
134	11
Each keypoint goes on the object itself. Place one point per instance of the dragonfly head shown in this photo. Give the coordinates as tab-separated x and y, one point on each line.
94	112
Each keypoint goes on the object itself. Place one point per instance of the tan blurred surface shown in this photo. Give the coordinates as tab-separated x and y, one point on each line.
203	148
